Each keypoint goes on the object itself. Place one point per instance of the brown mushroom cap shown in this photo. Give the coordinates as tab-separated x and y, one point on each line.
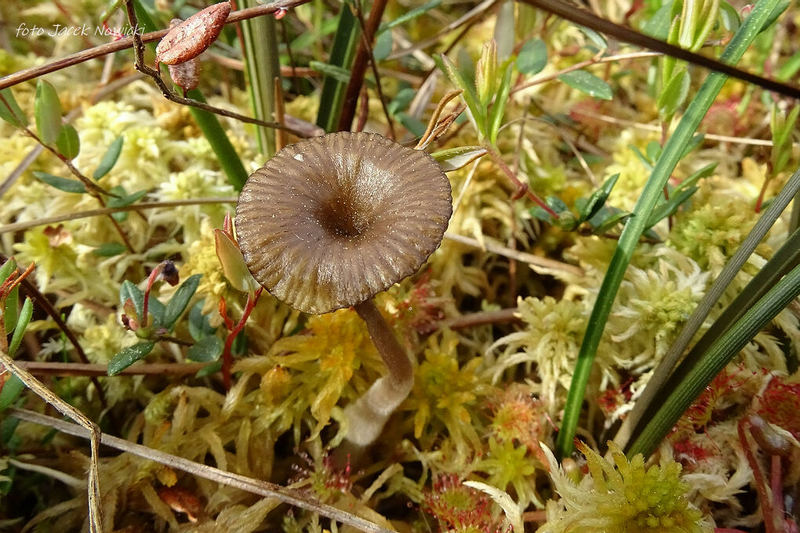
331	221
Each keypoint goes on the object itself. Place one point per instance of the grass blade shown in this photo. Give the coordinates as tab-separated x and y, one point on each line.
636	224
344	46
714	360
260	50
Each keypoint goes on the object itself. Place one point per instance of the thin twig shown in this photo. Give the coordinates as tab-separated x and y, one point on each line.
87	426
657	129
580	16
30	290
101	93
522	188
363	58
46	221
535	261
596	60
47	368
253	486
138	48
91	188
127	42
472	15
481	318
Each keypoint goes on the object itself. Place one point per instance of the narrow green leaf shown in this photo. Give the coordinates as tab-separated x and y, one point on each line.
7	268
789	68
25	315
595	38
682	393
383	46
674	94
127	356
412	124
109	249
499	106
68	143
123	199
658	25
233	266
653	151
180	300
209	369
262	66
636	224
409	15
229	160
532	57
469	94
344	45
588	83
335	72
611	217
109	158
199	326
670	207
48	112
455	158
206	350
730	17
598	198
401	100
10	111
62	184
12	388
129	291
12	300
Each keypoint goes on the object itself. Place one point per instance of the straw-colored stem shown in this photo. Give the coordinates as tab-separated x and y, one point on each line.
367	415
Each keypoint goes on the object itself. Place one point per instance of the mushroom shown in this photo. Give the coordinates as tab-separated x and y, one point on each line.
331	221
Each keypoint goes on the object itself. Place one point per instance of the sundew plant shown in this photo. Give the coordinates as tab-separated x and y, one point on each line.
352	265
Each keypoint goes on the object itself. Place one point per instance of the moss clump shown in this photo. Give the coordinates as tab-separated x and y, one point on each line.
622	497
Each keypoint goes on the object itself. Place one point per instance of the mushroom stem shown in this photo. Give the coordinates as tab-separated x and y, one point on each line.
367	415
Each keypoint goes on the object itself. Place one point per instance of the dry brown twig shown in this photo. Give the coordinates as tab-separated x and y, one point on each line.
138	48
127	42
93	489
254	486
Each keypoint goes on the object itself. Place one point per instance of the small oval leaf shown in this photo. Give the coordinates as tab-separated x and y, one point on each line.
11	391
233	266
62	184
68	143
455	158
206	350
533	57
10	111
109	158
127	356
109	249
587	83
48	112
180	300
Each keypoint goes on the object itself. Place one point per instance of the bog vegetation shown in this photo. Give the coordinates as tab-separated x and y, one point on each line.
605	340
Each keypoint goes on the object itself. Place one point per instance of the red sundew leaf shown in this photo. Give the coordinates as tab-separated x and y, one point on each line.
191	37
779	403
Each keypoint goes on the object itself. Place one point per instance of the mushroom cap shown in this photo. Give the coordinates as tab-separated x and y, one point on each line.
331	221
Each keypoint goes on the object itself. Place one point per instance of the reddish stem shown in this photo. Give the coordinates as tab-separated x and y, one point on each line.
761	194
521	187
151	279
227	356
758	476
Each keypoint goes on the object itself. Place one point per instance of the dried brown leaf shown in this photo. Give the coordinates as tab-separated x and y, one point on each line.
191	37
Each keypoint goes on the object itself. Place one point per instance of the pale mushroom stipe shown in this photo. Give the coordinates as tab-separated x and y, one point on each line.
331	221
